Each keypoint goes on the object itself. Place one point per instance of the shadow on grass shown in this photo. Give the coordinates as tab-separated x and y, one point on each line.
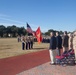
5	48
38	49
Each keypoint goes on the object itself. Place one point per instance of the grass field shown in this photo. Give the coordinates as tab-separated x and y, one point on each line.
10	47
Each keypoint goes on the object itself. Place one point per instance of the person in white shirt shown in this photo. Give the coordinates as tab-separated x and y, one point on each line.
74	45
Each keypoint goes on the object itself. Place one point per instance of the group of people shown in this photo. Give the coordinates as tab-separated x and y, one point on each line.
45	40
27	42
57	43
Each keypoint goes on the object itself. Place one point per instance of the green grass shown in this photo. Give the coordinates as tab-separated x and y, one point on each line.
10	47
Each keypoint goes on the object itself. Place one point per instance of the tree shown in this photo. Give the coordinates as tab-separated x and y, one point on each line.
14	30
22	31
61	32
2	30
8	30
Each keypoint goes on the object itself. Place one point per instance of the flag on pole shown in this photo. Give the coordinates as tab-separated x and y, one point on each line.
38	35
29	30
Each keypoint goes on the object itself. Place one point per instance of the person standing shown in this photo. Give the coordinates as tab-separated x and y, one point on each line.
59	43
26	43
74	45
65	41
52	48
31	42
70	41
23	43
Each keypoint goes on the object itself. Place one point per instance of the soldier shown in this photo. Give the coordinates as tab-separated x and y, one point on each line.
26	43
23	42
31	42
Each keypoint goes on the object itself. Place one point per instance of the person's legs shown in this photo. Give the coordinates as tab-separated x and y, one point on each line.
52	55
32	45
75	57
59	52
75	54
29	44
23	46
26	45
65	49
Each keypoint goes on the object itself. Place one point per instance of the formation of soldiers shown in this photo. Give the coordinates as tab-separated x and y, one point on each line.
27	42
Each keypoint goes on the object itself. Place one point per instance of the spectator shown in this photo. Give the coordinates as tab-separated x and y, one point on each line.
70	41
59	43
52	48
74	45
65	41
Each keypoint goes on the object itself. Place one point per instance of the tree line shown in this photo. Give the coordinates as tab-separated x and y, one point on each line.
13	31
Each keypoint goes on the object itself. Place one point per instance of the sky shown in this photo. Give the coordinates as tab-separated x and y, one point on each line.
48	14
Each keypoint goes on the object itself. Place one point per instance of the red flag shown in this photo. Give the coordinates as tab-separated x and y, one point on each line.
38	35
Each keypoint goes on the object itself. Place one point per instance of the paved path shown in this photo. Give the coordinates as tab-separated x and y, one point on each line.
17	64
47	69
36	63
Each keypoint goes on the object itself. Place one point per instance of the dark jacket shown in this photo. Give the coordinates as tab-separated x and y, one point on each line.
65	41
59	42
52	43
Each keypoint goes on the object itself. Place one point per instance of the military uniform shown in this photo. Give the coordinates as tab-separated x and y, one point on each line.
26	43
23	43
31	43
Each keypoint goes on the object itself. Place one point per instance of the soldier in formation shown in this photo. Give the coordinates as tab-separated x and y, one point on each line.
27	42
